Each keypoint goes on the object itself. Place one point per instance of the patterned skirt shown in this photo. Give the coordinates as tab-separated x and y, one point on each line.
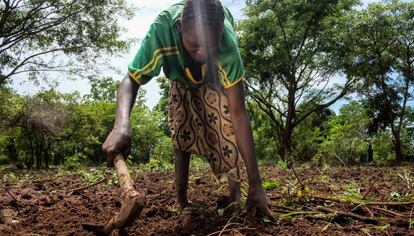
200	124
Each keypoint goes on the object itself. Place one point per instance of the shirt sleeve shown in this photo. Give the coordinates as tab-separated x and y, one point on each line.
151	54
231	71
230	64
228	16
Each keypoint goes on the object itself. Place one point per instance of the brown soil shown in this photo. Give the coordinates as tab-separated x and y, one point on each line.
46	206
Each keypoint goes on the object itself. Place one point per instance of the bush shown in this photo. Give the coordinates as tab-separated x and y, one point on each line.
4	160
74	162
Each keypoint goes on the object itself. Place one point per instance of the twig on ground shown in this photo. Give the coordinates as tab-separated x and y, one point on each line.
369	190
386	203
324	198
229	230
14	198
369	211
300	213
388	211
88	186
284	208
313	176
228	224
11	195
337	157
297	177
348	214
43	180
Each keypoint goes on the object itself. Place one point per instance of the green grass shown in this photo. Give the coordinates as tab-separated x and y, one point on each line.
268	185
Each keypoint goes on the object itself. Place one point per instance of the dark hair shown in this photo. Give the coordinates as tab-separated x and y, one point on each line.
208	13
209	16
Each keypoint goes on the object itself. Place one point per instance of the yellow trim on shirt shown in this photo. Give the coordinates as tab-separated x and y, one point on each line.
204	71
190	76
154	66
133	77
154	58
235	82
225	79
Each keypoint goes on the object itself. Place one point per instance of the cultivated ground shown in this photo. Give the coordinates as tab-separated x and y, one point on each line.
363	200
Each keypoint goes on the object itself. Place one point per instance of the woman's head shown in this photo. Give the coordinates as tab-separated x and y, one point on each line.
202	24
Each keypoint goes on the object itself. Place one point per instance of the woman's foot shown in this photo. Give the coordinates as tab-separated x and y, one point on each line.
235	192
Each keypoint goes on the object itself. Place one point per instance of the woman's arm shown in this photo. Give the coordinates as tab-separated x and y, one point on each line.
244	136
119	140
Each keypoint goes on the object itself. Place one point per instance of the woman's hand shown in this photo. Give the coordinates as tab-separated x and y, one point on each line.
257	199
118	141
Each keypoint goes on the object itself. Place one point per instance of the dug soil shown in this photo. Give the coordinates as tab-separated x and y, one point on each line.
364	200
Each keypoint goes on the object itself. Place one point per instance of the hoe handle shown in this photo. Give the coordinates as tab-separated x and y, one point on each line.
125	182
132	202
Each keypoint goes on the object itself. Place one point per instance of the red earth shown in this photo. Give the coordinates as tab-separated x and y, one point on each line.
47	204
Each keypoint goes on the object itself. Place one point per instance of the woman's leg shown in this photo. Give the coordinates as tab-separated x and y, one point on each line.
235	192
182	164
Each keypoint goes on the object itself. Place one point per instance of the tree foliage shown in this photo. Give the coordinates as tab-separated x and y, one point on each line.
102	89
385	63
34	34
51	128
292	65
347	134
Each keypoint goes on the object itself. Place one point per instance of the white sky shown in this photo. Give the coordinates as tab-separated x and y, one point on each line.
137	28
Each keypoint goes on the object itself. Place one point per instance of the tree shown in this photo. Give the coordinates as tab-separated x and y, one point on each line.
310	133
162	105
41	122
102	89
291	66
35	33
385	62
146	134
347	134
10	104
263	129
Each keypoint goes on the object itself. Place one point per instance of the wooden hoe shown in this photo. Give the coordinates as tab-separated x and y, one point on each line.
132	202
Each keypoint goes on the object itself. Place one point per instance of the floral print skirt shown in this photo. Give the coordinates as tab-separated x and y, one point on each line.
200	124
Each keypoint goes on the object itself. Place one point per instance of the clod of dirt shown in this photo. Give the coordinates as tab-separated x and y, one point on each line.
47	202
26	196
60	197
13	203
39	187
197	181
151	212
7	216
27	193
223	202
6	229
399	222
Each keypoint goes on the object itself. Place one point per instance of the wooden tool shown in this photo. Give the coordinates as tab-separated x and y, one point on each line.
132	202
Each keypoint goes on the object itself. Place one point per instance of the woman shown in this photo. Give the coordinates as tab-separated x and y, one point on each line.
195	44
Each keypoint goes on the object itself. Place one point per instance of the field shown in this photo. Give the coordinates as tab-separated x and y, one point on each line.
359	200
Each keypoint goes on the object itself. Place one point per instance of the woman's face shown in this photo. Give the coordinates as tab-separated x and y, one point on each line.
201	45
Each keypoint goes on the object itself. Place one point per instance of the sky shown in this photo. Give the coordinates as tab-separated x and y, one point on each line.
137	27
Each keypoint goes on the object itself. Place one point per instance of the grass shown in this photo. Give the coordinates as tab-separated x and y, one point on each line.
407	178
268	185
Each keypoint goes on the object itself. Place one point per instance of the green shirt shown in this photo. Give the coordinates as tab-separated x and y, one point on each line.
162	48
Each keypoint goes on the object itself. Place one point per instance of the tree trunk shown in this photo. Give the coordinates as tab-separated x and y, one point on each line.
46	155
282	152
398	147
285	144
39	150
